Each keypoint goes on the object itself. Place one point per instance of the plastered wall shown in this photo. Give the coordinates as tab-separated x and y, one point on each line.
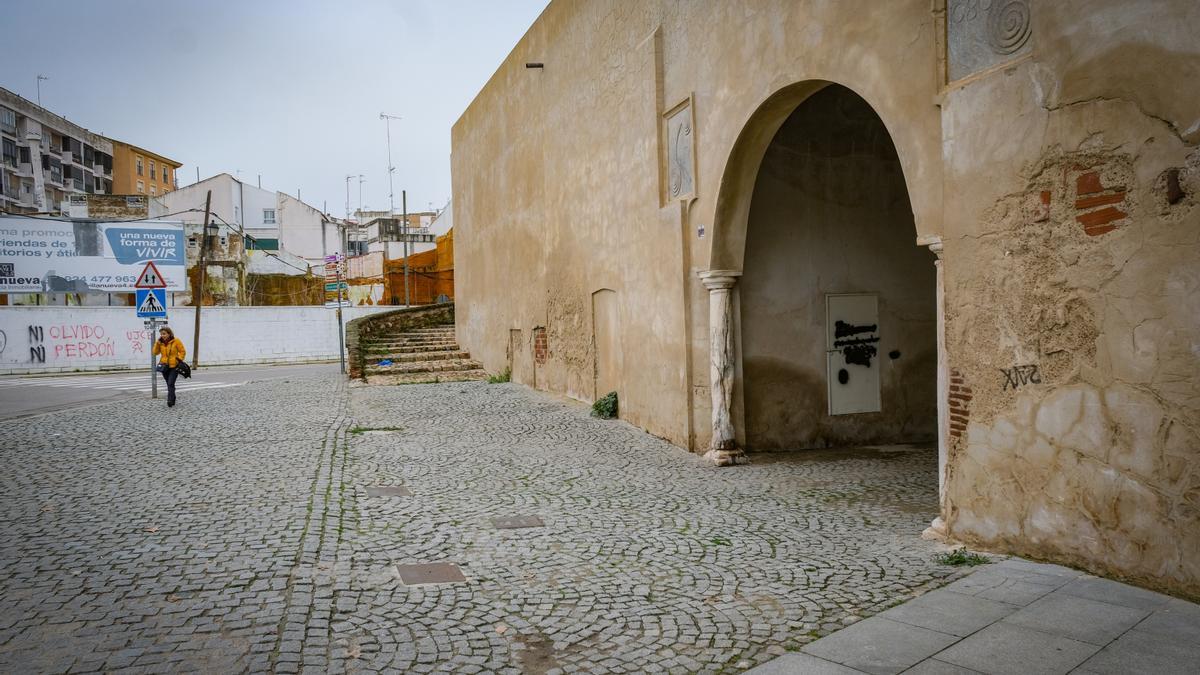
1059	169
830	214
65	339
1071	297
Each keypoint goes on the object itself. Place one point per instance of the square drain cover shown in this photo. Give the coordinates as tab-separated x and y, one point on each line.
430	573
517	522
389	491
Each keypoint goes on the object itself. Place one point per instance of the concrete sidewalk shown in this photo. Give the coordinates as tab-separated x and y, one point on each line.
1014	617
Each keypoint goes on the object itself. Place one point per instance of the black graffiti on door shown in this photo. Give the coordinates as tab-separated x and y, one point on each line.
857	350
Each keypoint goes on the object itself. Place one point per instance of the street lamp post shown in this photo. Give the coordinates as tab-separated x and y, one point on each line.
392	201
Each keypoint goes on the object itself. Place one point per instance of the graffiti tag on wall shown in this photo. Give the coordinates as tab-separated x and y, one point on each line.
1020	375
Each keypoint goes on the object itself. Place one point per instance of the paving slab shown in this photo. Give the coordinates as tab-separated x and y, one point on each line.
1077	618
933	666
1007	649
1140	652
949	612
880	646
798	663
1116	593
1179	620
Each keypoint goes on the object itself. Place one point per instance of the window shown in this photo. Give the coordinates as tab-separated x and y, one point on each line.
268	216
153	189
139	168
10	152
153	173
8	121
141	187
166	178
24	156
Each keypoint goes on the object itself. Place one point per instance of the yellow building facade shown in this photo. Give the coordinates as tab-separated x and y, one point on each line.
137	171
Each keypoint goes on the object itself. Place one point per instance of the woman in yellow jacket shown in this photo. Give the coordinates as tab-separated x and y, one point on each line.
170	352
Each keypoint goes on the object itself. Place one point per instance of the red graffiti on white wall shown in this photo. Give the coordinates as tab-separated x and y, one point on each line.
80	341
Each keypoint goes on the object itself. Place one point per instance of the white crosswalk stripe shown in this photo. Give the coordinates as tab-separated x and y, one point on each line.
118	383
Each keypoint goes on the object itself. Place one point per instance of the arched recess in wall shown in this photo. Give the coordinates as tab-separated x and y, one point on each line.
606	340
728	242
835	317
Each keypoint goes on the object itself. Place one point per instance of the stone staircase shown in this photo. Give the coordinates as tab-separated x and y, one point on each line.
418	355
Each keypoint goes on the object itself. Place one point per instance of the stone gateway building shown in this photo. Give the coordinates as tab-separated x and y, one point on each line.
788	224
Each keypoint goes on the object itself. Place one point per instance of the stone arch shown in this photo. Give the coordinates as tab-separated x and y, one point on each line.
736	188
728	266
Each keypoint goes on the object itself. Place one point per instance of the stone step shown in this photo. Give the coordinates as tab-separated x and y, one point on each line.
402	357
424	367
428	378
410	349
402	339
396	347
429	330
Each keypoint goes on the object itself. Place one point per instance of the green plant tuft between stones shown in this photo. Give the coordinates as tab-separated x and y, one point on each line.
500	378
960	557
606	407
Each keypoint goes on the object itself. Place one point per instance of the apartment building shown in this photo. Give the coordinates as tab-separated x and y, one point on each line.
137	171
44	158
269	220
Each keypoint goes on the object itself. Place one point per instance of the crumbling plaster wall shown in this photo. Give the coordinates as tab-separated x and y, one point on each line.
1073	295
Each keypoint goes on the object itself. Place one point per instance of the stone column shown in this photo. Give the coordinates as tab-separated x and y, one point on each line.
937	529
724	450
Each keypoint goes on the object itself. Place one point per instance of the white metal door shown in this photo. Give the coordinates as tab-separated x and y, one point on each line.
851	352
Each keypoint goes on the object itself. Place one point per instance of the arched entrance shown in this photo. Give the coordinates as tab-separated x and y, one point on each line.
838	322
823	308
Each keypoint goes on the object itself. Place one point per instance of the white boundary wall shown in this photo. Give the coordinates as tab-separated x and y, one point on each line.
66	339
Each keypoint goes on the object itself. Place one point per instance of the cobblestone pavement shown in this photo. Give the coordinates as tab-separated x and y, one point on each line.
236	532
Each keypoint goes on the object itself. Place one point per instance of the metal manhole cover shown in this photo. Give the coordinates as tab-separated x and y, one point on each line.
389	491
430	573
517	522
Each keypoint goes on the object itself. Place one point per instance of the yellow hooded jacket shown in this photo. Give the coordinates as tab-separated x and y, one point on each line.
171	353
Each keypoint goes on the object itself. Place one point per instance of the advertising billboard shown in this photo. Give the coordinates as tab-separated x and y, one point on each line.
39	255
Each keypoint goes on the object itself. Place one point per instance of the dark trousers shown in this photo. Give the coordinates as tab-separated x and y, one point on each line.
170	375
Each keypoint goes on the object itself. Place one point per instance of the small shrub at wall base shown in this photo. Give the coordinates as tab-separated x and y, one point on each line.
606	408
501	377
960	557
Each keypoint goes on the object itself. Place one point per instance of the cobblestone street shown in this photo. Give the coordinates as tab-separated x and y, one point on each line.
243	530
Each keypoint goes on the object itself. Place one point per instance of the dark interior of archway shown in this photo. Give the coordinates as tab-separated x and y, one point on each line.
830	214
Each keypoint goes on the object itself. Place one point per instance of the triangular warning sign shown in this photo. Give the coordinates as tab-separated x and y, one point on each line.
151	305
150	278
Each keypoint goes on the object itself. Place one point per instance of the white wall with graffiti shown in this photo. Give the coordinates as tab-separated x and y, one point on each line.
66	339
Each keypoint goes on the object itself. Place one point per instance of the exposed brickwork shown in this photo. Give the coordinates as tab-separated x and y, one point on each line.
1100	222
541	350
1090	193
1088	183
959	404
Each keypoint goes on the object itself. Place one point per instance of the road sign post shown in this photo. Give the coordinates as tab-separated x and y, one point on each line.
152	326
151	304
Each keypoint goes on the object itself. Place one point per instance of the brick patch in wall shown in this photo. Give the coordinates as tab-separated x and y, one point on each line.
541	350
959	401
1090	193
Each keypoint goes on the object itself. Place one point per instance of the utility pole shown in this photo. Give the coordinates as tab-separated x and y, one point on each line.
198	293
361	180
387	120
39	88
404	230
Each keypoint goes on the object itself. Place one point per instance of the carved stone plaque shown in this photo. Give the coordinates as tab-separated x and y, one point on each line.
984	33
681	169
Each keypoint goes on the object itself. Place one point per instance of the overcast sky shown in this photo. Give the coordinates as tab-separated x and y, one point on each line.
289	89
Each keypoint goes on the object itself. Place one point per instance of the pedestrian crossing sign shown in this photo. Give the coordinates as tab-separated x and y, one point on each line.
152	303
